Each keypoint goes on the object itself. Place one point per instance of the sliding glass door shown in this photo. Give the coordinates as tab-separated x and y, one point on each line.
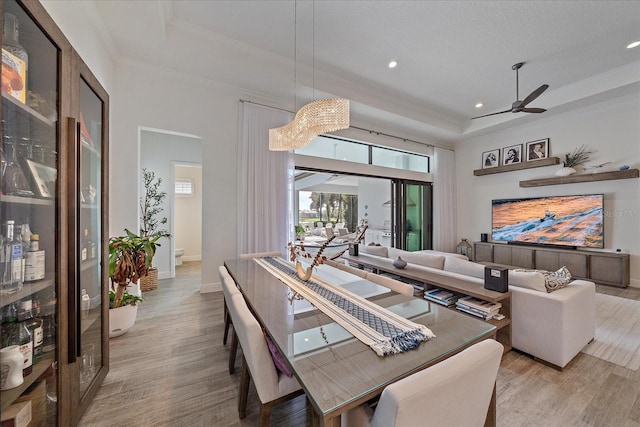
412	215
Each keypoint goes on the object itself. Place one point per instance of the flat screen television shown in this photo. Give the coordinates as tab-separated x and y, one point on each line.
567	221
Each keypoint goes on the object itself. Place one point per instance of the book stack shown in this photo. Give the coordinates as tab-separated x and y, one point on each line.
477	307
442	296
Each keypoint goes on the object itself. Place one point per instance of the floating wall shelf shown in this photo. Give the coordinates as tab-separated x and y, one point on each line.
518	166
590	177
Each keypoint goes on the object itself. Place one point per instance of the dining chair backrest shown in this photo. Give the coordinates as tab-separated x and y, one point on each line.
352	270
254	347
259	255
229	286
454	392
394	285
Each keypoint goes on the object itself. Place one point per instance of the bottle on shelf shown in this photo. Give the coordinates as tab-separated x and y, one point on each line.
15	59
14	181
8	323
34	324
85	304
11	259
34	260
49	334
84	251
21	336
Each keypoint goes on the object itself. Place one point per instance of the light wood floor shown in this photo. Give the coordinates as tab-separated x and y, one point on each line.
171	370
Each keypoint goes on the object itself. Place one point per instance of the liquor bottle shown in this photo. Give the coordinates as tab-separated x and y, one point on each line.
49	338
21	336
15	60
34	324
14	182
85	304
84	249
10	261
34	261
8	323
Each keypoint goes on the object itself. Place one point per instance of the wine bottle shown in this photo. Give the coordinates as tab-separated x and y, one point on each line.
34	324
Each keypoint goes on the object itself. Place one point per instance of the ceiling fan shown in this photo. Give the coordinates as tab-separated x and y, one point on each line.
521	106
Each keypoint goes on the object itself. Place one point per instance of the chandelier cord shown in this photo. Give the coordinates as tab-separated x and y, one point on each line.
313	49
295	54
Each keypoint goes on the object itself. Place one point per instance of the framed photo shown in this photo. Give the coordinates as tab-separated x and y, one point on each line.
44	178
537	150
491	159
512	155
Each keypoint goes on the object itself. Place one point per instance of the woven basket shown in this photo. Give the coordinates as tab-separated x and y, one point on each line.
150	281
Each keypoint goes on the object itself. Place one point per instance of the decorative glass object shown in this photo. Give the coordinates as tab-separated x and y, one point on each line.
465	248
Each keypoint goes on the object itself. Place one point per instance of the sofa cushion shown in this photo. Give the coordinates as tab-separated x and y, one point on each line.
468	268
428	260
447	254
373	250
530	279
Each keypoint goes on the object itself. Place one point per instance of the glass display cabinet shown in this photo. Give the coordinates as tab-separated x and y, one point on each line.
53	206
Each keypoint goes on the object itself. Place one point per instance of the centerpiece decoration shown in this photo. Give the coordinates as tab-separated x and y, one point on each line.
298	252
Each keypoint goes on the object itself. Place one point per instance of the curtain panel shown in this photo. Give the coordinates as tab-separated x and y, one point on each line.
444	200
264	182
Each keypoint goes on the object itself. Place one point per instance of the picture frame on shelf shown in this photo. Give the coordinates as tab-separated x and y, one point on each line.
44	179
491	159
512	155
537	150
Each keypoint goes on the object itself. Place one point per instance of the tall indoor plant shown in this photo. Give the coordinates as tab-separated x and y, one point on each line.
151	220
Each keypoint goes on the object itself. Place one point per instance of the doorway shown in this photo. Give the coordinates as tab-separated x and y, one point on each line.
187	229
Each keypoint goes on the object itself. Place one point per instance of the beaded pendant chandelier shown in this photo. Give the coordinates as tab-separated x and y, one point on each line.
313	119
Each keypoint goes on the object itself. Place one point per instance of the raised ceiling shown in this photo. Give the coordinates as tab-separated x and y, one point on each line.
451	54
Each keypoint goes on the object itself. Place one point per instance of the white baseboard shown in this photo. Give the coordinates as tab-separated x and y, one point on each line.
164	275
210	287
192	258
634	283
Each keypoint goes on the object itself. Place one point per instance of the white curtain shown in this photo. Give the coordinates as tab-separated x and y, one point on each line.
444	200
264	181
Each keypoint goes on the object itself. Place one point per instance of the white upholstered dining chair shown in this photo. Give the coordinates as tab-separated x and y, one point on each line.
453	393
394	285
229	289
272	386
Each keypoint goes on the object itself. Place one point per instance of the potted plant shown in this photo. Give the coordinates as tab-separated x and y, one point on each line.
577	157
130	257
151	220
300	233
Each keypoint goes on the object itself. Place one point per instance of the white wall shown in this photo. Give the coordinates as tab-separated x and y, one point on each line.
373	193
187	225
158	152
611	130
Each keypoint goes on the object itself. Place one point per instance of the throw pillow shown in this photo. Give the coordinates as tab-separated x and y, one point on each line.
530	279
278	359
557	280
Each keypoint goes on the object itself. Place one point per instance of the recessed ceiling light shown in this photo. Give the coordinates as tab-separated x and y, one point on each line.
634	44
479	105
393	64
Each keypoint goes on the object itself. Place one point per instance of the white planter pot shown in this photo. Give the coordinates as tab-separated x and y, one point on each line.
121	319
565	171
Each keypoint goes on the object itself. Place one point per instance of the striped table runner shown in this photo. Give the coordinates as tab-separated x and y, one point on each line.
385	332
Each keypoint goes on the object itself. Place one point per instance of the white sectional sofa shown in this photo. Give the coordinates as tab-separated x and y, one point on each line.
552	327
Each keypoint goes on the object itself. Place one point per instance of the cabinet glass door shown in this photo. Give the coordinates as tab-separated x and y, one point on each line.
29	217
90	286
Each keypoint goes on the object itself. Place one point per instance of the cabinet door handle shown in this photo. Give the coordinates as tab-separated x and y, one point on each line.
73	278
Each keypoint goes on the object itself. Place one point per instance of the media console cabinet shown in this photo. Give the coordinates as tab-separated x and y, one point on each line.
600	267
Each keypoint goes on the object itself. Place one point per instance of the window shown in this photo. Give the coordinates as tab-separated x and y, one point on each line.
184	187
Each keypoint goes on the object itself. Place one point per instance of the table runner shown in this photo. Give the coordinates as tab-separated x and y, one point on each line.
383	331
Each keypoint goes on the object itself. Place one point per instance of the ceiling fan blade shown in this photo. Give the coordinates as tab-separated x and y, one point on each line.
533	110
533	95
492	114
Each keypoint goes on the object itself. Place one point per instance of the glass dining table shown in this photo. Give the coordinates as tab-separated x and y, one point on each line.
337	371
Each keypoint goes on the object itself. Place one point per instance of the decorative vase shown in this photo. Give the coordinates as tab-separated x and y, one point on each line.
121	319
302	273
565	171
399	263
